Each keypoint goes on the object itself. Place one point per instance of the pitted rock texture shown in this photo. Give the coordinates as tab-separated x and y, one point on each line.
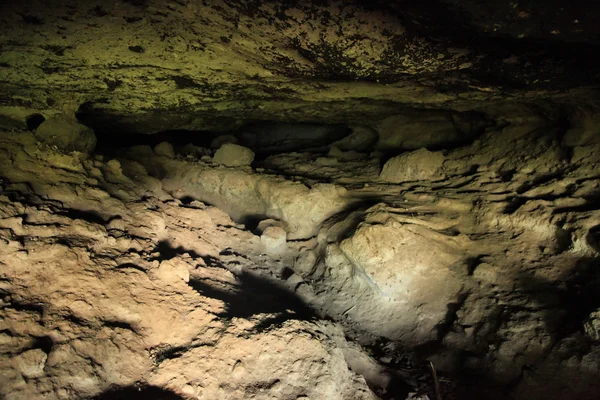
471	267
488	270
150	66
105	296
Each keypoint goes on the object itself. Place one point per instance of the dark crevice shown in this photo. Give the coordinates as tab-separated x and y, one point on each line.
137	392
119	324
34	120
131	266
85	215
37	308
45	343
514	204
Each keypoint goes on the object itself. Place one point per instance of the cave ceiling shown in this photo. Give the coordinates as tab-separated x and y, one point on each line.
148	66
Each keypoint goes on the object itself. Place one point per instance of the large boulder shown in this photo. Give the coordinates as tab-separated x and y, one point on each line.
414	166
412	267
66	134
433	129
233	155
164	149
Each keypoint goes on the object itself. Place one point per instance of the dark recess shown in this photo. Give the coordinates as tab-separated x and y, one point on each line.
138	393
34	120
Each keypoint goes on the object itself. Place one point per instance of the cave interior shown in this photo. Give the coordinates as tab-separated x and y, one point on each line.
299	199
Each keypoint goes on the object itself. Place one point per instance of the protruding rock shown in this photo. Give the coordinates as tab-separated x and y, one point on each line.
172	271
233	155
266	223
414	166
164	149
31	363
20	118
592	325
274	239
66	134
413	130
362	138
416	130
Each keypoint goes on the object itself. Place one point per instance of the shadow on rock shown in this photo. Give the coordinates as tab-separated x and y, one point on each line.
255	295
570	299
138	393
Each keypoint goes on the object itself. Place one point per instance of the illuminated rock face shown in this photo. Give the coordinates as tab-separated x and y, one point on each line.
150	66
231	200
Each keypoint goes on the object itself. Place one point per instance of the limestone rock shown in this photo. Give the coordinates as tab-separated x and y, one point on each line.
592	325
410	264
414	166
66	134
233	155
31	363
412	131
585	129
18	117
269	222
361	138
172	271
274	239
164	149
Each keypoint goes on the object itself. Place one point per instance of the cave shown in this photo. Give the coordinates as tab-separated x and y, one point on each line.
300	199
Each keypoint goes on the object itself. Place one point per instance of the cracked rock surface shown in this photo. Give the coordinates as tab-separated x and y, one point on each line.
164	270
240	199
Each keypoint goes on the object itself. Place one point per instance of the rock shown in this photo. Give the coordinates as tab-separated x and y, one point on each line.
164	149
411	265
361	138
415	166
326	161
66	134
486	273
31	363
173	271
266	223
20	118
414	130
584	130
233	155
592	325
274	239
193	150
223	139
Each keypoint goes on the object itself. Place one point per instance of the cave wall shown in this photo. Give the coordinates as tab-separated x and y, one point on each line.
307	199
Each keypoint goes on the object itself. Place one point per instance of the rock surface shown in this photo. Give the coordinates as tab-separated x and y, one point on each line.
66	134
425	195
117	271
233	155
150	66
414	166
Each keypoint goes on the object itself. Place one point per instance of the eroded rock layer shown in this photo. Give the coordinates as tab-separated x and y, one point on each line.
299	200
163	269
